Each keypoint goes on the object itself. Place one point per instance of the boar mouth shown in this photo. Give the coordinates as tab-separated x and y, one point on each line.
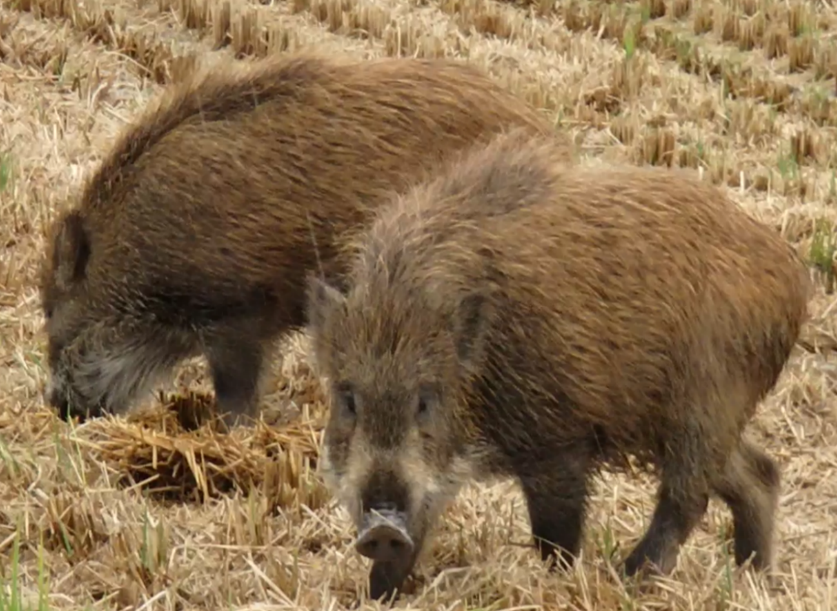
55	396
383	536
68	405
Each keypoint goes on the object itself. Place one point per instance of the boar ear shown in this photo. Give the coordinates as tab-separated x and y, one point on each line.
474	316
321	298
70	250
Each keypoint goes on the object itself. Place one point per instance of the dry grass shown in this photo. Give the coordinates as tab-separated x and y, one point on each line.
158	511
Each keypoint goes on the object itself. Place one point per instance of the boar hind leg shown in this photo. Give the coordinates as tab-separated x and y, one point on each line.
750	486
682	500
236	364
556	497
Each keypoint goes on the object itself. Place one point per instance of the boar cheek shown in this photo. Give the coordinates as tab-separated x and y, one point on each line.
336	466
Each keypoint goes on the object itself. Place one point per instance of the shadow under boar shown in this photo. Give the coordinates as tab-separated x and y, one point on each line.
520	317
195	234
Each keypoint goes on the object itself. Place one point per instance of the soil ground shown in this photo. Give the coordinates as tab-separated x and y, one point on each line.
140	513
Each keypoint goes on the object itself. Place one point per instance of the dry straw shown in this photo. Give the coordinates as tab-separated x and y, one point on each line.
160	511
176	451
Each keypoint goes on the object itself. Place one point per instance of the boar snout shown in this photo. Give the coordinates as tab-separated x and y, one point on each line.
383	536
58	400
56	396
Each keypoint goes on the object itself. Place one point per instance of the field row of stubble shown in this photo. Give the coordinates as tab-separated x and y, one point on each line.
143	512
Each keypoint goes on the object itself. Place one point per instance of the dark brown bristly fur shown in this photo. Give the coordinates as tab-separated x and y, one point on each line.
518	316
195	234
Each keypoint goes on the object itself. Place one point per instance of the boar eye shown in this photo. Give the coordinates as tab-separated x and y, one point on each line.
426	396
349	400
346	398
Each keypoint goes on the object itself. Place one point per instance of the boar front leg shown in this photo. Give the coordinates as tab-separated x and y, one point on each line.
236	362
556	497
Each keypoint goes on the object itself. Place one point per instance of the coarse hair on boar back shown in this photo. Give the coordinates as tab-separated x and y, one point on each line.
195	234
519	316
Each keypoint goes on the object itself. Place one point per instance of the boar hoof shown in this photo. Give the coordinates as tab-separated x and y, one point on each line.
643	562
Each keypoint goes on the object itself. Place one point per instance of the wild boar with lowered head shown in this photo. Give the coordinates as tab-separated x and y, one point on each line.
194	235
517	316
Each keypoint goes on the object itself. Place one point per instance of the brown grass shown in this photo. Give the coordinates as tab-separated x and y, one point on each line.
160	511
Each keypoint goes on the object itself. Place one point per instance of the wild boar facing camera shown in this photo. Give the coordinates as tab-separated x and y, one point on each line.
518	316
195	234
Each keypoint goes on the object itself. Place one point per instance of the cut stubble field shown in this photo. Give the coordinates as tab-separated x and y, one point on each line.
158	511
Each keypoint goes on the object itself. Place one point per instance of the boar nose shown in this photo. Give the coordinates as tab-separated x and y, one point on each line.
383	536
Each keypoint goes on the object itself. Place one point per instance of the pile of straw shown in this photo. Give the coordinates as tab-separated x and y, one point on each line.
176	451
